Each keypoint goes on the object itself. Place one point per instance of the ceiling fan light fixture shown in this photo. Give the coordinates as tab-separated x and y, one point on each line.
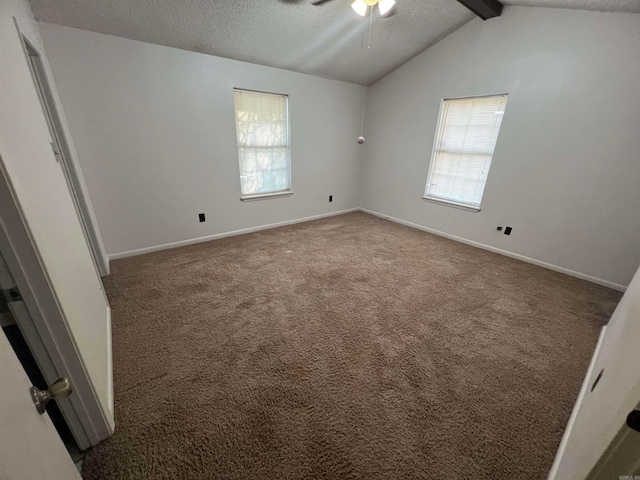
385	6
360	7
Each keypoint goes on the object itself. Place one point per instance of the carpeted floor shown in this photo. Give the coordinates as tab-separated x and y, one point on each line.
345	348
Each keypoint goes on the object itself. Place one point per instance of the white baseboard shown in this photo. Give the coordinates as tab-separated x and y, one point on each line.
574	413
540	263
106	270
208	238
110	398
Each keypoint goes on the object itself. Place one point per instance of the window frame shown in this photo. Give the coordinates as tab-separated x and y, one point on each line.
471	207
276	193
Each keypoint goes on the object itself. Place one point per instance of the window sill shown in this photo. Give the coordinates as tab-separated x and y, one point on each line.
266	196
452	203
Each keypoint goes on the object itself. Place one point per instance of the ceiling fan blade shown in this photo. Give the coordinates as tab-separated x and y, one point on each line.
386	6
317	3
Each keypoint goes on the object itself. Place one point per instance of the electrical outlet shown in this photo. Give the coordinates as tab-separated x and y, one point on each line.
330	198
201	217
507	231
499	229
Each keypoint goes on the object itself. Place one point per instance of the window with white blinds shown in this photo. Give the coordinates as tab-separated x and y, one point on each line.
262	128
466	138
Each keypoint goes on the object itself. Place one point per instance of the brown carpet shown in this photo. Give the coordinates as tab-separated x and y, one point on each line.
345	348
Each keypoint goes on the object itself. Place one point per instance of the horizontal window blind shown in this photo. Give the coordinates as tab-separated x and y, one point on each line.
262	129
465	141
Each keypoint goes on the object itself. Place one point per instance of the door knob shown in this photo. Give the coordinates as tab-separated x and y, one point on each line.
61	388
633	420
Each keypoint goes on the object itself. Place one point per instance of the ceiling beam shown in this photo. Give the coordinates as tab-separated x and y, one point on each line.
485	9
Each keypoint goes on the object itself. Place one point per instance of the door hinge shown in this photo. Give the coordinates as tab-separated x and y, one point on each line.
10	295
56	153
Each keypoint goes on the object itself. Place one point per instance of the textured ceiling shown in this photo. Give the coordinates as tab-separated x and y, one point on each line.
325	40
627	6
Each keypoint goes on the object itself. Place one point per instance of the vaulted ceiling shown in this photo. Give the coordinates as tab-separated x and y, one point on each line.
319	37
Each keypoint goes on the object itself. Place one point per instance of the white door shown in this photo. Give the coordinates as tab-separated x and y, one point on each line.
42	240
622	459
29	444
597	441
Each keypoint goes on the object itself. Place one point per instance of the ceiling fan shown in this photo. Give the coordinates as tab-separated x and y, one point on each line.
361	6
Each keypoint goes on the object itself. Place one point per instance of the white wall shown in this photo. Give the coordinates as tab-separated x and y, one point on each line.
45	201
566	170
155	134
154	128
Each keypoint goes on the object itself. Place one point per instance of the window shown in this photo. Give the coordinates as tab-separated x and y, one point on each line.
262	127
465	141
